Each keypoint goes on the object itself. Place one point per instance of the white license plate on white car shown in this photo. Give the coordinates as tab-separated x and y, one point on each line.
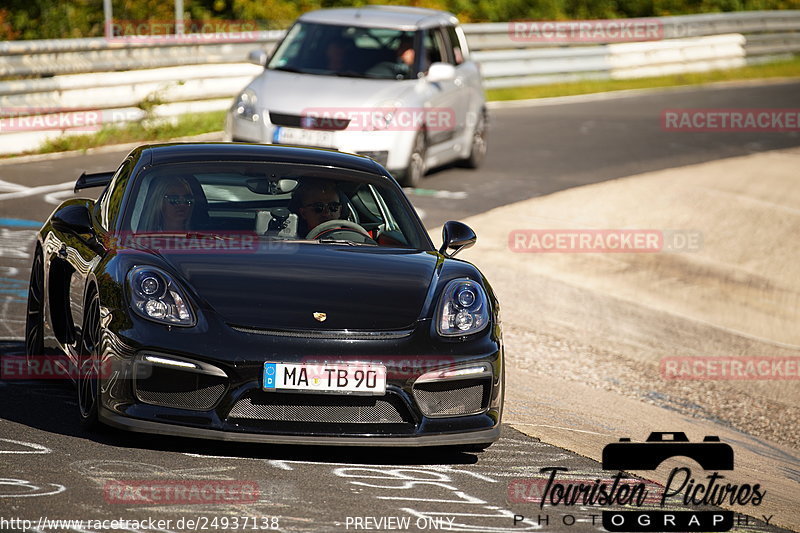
366	379
283	135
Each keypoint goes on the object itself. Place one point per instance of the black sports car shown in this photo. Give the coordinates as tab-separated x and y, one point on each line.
266	294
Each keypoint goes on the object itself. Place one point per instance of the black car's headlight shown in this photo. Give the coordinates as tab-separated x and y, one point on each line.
463	309
155	296
246	105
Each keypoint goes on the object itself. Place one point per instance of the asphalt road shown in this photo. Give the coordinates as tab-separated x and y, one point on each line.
50	468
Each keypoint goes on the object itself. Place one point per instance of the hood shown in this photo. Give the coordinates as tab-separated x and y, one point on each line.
360	288
287	92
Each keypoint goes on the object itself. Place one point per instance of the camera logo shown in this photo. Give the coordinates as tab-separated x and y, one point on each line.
710	454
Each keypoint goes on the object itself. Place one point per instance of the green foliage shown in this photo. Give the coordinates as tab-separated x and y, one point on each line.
45	19
148	130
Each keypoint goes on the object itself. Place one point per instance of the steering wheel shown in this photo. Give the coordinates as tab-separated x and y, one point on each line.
337	225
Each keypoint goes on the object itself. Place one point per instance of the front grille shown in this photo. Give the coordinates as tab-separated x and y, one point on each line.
453	397
282	407
350	334
309	122
177	388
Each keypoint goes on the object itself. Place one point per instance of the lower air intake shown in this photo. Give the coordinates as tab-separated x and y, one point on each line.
323	409
169	387
452	397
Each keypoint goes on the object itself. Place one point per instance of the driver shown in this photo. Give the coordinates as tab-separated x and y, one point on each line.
317	202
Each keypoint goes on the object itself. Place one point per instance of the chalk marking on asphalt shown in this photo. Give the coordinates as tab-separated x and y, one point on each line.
32	191
37	448
15	243
558	427
25	483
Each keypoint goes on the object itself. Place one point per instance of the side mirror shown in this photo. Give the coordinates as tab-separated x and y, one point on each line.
73	218
456	236
257	57
441	72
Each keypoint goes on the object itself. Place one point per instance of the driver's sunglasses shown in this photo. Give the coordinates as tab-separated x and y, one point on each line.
319	207
177	199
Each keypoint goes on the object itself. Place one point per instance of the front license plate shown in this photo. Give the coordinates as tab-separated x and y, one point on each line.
283	135
366	379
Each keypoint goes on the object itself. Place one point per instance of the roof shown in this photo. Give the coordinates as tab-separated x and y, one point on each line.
216	151
395	17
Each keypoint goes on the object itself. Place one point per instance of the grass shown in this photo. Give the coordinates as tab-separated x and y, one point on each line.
781	69
159	130
198	123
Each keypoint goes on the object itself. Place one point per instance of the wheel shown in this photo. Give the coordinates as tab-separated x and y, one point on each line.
415	170
88	364
34	321
477	152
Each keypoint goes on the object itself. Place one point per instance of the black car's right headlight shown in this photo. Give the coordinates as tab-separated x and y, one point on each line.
155	296
463	309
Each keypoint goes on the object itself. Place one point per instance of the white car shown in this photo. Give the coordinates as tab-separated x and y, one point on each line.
393	83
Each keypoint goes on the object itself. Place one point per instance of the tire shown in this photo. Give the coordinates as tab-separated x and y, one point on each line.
34	320
413	173
477	152
88	364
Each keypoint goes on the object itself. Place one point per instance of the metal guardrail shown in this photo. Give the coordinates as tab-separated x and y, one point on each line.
194	74
772	30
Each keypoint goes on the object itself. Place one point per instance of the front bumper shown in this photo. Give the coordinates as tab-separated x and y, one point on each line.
390	148
233	406
445	439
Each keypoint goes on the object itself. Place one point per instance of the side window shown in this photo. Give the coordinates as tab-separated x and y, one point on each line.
112	197
455	44
433	45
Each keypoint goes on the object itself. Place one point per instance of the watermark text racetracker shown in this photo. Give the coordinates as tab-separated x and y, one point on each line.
181	31
146	523
604	240
48	118
379	118
587	31
713	368
731	120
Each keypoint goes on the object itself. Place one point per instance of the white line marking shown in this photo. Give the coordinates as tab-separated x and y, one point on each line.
32	191
8	186
55	198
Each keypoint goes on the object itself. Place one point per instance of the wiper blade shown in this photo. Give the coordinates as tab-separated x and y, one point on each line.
290	69
348	74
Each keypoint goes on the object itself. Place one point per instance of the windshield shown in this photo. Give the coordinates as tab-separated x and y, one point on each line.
272	201
349	51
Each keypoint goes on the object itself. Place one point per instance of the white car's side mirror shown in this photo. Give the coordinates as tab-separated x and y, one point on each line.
257	57
441	72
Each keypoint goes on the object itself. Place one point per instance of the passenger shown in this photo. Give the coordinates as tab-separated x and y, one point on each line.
171	205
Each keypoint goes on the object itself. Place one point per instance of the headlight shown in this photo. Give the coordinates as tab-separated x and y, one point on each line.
382	116
245	106
156	297
463	309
